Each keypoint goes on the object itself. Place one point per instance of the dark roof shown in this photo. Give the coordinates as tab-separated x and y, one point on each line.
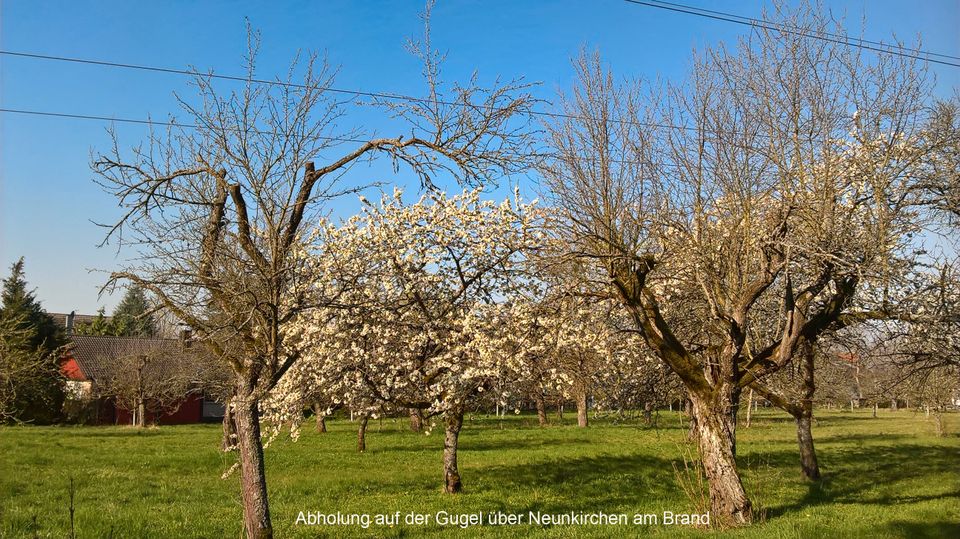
61	318
96	355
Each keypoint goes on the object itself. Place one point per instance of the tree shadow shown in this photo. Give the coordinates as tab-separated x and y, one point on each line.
602	483
851	475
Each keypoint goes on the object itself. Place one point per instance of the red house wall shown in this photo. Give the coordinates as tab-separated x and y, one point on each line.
190	411
70	369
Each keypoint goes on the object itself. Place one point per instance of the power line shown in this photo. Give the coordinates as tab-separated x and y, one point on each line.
358	93
149	122
135	121
875	46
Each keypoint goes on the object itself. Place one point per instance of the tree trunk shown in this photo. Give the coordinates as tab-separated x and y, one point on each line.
416	419
451	474
749	408
582	420
692	431
874	410
362	433
560	412
320	416
938	420
715	430
893	404
141	414
808	455
541	410
253	479
229	441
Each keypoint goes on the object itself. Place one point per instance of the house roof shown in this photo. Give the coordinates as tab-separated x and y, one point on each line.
61	318
97	356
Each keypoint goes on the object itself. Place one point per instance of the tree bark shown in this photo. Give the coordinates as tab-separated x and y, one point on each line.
253	479
362	433
451	474
808	456
582	419
749	408
541	410
416	419
141	417
715	430
692	431
321	418
229	440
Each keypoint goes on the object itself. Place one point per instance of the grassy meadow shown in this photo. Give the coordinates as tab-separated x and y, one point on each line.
884	477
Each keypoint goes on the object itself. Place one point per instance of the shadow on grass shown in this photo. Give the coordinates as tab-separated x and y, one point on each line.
925	530
850	475
605	483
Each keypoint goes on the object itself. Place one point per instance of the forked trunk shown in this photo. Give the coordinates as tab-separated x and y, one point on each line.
541	410
416	419
451	474
715	437
253	479
362	434
582	420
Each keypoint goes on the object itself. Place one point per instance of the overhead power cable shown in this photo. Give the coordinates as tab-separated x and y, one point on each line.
136	121
359	93
876	46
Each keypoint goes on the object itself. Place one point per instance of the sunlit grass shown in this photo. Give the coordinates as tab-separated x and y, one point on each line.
884	477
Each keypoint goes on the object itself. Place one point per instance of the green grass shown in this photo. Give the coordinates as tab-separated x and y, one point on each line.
884	477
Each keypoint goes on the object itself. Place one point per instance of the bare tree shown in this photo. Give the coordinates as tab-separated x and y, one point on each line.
151	381
778	174
217	211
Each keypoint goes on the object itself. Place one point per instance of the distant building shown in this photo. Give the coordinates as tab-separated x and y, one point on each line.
88	362
70	321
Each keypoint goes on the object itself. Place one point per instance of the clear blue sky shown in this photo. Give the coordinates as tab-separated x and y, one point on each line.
47	198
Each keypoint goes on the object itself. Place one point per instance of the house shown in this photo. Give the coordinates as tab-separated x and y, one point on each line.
69	321
106	375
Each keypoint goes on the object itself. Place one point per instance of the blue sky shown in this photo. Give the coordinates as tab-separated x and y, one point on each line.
48	199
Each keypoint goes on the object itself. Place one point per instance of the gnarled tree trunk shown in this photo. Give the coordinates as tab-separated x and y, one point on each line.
253	480
716	431
320	416
451	474
582	420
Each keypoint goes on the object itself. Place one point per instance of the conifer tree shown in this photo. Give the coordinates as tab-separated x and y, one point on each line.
40	388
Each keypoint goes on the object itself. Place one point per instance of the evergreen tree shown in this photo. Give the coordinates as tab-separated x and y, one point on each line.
132	315
101	325
40	389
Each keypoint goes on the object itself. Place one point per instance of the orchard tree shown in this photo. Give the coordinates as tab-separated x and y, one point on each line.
150	377
782	167
216	206
424	290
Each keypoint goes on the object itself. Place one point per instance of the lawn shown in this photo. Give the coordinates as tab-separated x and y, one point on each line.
884	477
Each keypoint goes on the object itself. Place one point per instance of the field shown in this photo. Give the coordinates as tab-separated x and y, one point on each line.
884	477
